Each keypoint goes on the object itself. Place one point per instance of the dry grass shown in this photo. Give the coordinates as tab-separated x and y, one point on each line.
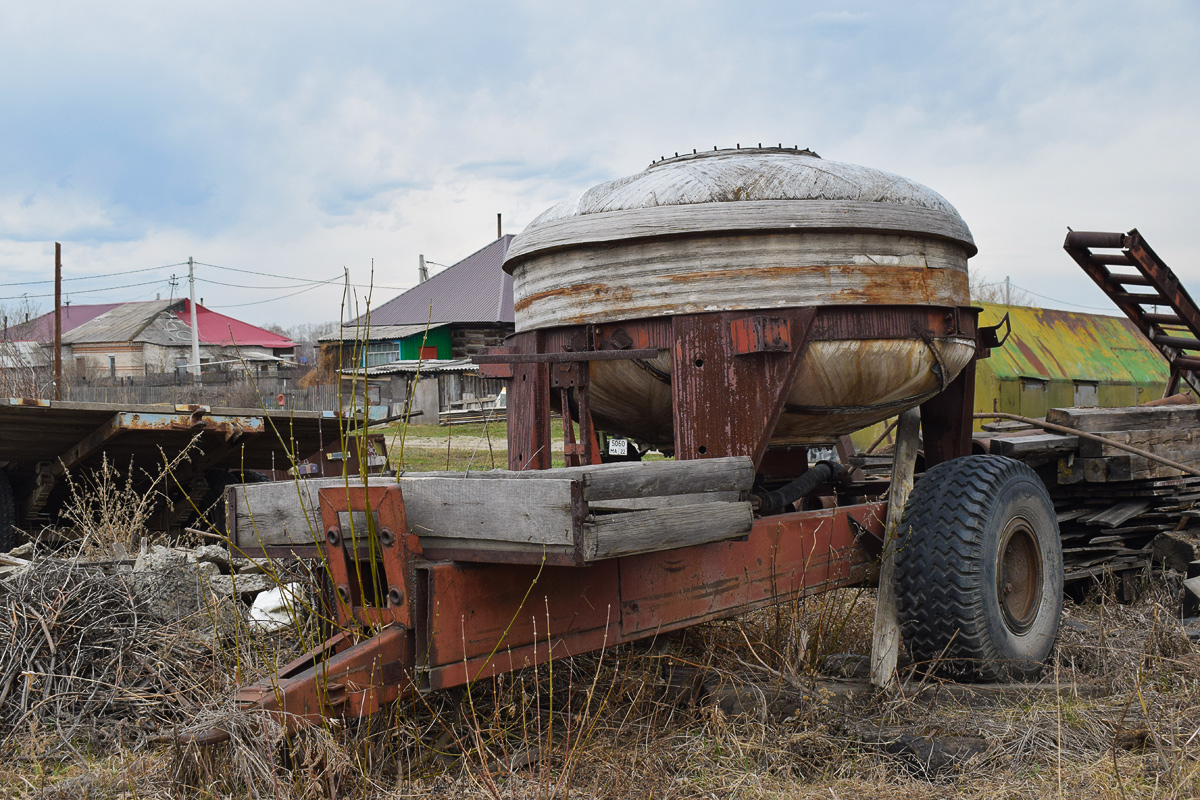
743	707
98	686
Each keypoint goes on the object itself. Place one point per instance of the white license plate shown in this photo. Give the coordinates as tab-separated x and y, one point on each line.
618	447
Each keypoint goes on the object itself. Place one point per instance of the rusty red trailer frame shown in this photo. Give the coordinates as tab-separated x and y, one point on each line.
429	625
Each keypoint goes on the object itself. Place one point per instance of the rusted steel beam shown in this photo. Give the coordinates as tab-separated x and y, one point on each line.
1178	342
839	323
1122	278
484	619
1163	319
727	404
1163	279
1155	274
355	681
529	408
1085	239
89	444
563	357
946	419
194	421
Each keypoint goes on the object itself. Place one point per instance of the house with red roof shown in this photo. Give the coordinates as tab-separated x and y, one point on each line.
132	340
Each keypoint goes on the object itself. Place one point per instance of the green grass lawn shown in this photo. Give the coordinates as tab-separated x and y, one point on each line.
469	446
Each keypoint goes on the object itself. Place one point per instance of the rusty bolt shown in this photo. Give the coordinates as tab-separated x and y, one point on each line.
395	596
387	537
344	592
333	536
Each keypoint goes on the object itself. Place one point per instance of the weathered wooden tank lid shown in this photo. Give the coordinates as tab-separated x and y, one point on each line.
748	189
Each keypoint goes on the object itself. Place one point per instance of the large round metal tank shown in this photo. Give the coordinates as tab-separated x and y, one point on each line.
754	229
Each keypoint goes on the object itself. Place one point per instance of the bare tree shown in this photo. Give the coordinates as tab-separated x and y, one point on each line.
1003	292
16	312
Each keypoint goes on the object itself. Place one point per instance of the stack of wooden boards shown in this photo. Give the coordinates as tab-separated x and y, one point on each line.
1115	508
574	515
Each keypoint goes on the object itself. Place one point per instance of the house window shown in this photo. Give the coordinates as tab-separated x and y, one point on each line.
382	353
428	353
112	366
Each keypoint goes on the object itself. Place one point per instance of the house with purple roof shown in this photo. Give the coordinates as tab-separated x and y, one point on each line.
452	315
431	330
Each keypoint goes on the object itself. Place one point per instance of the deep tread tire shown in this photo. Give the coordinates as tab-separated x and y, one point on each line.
953	611
8	515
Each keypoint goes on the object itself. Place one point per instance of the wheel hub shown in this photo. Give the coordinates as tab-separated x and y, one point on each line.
1019	575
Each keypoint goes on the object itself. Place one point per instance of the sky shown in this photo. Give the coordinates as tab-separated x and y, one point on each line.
303	141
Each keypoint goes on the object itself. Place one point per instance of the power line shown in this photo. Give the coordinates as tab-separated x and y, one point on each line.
249	286
270	299
303	280
91	277
87	291
1056	300
172	282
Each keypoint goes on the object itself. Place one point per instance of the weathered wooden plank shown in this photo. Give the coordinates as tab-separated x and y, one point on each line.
1177	444
1097	420
506	509
283	513
1070	514
280	513
1118	514
1037	444
648	503
517	511
1174	551
652	479
885	638
635	479
665	529
1112	469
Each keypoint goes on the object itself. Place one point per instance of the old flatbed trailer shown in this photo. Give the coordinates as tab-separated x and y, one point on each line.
731	308
42	440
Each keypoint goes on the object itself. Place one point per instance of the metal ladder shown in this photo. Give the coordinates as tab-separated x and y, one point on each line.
1162	329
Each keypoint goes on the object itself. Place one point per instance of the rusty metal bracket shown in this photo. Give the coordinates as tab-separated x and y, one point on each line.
352	556
760	334
988	335
568	375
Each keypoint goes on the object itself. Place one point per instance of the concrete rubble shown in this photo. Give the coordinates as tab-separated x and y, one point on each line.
182	582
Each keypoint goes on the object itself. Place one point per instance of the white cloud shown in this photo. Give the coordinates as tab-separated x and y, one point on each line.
300	138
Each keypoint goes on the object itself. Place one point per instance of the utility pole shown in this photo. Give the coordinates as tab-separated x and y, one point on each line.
422	270
194	367
1007	290
58	321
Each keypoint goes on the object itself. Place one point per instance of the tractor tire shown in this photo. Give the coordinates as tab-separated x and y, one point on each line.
8	515
979	576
